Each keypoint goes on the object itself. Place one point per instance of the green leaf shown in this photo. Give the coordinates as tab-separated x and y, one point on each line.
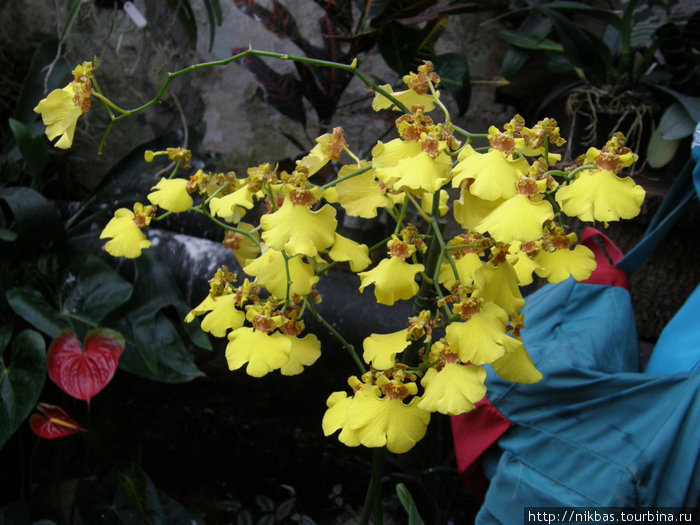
33	150
33	86
129	497
453	70
185	15
21	381
610	17
154	348
7	235
35	219
398	45
408	504
660	151
675	123
88	287
690	104
585	50
87	290
33	307
528	41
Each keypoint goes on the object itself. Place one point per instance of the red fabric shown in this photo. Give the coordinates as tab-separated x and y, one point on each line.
606	272
474	432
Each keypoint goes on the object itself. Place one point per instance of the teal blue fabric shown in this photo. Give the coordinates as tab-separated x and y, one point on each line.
678	347
594	432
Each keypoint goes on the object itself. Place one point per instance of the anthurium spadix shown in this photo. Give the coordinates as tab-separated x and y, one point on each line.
83	372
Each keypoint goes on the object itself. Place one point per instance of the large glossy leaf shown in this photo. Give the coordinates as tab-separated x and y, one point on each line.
85	290
398	45
432	31
154	348
22	376
339	11
34	218
409	504
528	41
88	288
32	306
282	92
33	150
690	104
185	15
585	50
128	496
610	17
398	9
676	123
33	86
453	70
278	21
82	373
52	422
660	151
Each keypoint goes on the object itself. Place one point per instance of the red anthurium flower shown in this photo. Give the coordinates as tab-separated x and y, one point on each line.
83	373
53	422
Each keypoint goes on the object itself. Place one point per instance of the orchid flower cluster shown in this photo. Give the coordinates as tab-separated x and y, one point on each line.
506	197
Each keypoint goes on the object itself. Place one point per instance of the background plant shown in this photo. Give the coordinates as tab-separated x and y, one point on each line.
635	65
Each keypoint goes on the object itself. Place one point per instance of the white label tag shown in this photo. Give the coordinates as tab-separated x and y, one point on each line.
135	14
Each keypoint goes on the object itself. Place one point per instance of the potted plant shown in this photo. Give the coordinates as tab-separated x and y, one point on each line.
635	69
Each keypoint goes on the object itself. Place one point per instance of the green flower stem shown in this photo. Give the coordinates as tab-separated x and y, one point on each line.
350	68
469	135
350	349
438	102
215	194
381	243
419	208
175	169
270	195
374	492
346	177
286	258
572	174
161	217
327	267
225	226
106	102
425	300
401	216
459	247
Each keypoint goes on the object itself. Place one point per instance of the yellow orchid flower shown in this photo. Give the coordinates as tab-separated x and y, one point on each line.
268	269
380	349
373	421
518	218
302	352
454	389
494	174
479	339
171	195
296	229
360	196
262	352
600	195
127	239
356	254
408	98
394	279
